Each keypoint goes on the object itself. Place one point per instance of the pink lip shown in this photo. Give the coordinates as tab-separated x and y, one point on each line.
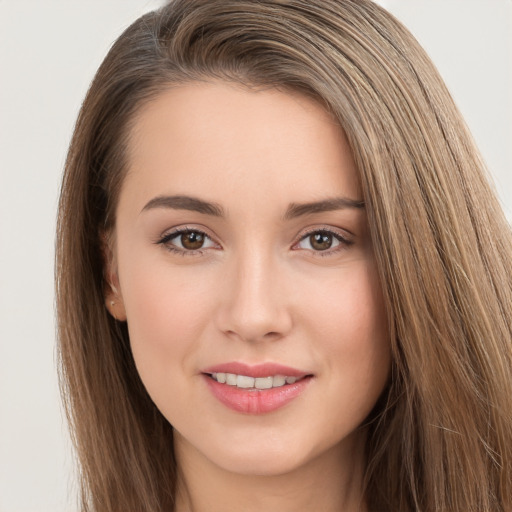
257	370
256	401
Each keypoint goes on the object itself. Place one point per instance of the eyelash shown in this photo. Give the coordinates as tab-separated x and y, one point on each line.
165	240
344	242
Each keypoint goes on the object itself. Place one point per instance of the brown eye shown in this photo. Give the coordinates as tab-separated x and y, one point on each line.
321	241
187	241
192	240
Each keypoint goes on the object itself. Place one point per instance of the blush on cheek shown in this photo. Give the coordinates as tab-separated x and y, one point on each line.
165	314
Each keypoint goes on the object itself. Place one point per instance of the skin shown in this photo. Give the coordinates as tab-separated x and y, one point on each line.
259	290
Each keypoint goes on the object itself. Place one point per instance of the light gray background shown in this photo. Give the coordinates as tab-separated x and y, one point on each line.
49	51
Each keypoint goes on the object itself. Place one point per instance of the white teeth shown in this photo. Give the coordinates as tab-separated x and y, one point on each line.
263	382
245	382
279	380
231	379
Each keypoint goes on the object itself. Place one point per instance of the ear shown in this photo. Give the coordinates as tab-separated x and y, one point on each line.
113	297
115	305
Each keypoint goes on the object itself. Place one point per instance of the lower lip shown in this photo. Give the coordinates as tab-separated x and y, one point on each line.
256	401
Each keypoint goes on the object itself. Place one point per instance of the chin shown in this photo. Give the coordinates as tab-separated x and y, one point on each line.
260	459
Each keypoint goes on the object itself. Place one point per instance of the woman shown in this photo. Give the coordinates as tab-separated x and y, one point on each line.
283	280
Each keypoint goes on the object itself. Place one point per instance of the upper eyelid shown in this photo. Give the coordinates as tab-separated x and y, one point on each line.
341	233
172	232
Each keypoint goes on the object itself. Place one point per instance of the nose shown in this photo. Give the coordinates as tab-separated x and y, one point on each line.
255	305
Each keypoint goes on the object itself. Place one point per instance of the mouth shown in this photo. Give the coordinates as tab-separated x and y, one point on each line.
254	383
256	389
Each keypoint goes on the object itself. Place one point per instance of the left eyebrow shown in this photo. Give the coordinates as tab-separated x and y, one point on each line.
185	203
337	203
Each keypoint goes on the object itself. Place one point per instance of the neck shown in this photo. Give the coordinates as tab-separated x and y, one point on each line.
332	482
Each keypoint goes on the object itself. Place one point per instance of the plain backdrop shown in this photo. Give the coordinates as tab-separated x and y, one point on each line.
49	51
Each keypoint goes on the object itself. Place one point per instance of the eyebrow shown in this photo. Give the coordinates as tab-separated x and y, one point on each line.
328	205
293	211
185	203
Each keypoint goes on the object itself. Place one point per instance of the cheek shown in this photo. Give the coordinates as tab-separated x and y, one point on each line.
352	331
166	313
350	307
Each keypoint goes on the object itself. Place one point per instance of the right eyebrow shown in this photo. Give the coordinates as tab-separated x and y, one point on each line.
185	203
327	205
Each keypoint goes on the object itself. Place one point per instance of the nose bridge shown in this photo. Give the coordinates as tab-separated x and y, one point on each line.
256	306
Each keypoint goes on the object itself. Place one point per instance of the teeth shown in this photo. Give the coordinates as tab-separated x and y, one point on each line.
278	381
264	382
245	382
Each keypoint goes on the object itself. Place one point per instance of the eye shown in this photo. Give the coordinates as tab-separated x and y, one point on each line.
187	241
322	240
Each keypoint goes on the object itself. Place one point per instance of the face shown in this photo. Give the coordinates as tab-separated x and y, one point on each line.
242	254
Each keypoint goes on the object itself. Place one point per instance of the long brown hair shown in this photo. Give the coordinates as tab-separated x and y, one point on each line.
441	436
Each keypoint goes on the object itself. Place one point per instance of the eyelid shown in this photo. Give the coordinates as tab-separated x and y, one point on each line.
345	241
165	238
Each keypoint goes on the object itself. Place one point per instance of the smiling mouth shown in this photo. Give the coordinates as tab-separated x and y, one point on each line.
254	383
267	388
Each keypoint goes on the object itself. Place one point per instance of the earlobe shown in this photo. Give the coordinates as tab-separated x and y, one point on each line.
115	306
113	299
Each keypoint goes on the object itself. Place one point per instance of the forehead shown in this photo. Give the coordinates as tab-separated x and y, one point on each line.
228	139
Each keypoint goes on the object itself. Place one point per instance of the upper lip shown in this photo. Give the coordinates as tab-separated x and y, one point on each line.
256	370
